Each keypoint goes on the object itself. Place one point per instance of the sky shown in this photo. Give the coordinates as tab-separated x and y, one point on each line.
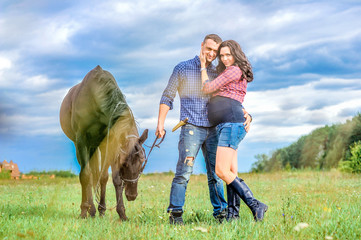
305	56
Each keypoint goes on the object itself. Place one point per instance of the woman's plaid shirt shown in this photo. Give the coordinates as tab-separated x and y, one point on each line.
186	79
228	84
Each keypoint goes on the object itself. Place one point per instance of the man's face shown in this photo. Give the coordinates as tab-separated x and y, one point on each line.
210	48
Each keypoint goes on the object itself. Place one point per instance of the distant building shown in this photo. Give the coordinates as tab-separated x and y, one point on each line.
11	167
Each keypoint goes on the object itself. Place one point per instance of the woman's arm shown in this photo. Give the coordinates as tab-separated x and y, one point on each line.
232	73
204	74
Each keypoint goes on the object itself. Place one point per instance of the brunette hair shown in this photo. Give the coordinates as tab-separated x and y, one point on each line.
213	37
240	59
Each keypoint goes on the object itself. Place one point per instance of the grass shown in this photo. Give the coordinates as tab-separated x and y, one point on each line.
329	202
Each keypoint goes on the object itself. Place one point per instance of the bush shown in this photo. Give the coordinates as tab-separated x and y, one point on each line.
353	162
5	174
61	173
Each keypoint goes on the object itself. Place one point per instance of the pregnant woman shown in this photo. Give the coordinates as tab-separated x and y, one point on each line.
225	110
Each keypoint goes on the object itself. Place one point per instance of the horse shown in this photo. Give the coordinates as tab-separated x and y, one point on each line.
96	117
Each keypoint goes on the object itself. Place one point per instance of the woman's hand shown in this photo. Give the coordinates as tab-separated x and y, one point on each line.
202	58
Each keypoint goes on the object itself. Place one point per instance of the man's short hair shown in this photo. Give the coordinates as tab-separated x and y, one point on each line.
213	37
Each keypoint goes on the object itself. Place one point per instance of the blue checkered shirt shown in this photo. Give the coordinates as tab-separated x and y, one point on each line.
186	79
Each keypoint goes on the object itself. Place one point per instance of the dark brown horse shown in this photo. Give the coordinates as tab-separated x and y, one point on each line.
96	117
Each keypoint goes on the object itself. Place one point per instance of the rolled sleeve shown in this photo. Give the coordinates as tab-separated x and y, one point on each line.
167	101
170	91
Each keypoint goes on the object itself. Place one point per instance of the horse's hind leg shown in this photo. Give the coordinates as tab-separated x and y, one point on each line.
87	204
84	178
92	210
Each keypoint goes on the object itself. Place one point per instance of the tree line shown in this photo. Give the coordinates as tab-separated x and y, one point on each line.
336	146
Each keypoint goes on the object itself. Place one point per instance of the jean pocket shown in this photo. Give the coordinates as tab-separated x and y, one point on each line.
241	133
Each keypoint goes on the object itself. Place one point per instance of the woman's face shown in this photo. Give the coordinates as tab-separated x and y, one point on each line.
226	56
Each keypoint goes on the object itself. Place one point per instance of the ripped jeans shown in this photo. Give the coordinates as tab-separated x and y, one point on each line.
191	139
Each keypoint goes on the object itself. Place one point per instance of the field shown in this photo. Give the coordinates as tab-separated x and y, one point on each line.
329	203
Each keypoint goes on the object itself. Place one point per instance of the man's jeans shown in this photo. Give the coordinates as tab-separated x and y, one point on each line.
191	139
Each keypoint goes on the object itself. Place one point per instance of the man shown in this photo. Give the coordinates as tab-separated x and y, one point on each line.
197	134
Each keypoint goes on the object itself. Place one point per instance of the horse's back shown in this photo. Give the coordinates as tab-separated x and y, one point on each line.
88	106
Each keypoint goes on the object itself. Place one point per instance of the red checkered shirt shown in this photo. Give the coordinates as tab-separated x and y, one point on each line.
228	84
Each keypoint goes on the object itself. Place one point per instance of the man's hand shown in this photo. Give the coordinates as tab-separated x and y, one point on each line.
163	110
159	132
247	123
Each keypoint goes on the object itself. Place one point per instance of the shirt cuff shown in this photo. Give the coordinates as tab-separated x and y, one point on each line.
166	101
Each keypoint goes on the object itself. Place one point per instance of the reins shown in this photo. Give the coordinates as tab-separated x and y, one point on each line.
153	145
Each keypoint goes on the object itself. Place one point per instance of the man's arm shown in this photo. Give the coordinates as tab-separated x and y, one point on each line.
166	102
163	111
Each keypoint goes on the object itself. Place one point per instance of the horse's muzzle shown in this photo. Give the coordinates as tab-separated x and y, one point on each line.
131	197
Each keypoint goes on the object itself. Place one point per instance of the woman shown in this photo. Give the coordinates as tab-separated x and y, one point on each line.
225	110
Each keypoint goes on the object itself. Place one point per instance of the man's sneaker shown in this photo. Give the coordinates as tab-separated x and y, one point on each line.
175	218
221	216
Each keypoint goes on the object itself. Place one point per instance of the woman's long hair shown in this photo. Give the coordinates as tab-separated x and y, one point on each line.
240	59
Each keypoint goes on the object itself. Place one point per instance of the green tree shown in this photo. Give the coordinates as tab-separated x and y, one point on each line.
260	164
353	163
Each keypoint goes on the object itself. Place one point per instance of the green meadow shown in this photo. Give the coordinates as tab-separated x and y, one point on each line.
302	205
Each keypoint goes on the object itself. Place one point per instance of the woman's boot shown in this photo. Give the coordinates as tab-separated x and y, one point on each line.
233	204
258	208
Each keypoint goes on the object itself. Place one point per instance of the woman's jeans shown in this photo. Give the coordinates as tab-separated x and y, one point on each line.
191	139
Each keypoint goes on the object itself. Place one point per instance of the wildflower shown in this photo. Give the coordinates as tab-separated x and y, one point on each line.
328	238
326	209
300	226
201	229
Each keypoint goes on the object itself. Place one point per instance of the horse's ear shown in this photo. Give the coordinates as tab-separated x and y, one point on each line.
143	137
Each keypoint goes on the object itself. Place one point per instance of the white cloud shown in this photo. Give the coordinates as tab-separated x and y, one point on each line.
29	125
51	99
283	115
37	82
4	63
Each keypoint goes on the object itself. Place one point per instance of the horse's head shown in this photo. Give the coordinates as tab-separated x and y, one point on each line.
131	169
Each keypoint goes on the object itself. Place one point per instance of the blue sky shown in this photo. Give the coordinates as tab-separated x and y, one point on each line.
305	55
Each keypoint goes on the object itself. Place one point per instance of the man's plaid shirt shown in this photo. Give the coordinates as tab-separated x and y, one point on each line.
186	79
228	84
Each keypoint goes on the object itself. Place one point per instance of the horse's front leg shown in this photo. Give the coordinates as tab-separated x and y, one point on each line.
100	178
118	185
103	185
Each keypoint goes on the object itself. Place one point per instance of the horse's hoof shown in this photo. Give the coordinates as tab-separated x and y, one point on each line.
92	211
101	214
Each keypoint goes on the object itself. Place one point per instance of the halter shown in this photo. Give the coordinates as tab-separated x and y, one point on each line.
155	144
